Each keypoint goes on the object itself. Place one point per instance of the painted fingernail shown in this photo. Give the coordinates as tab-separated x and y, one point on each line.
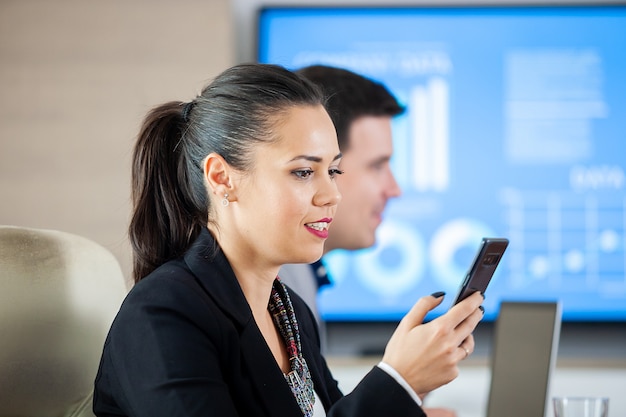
482	309
438	294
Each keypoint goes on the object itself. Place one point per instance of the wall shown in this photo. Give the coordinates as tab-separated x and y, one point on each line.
76	78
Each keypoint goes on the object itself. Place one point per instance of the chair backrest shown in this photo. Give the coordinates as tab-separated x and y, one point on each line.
59	294
525	344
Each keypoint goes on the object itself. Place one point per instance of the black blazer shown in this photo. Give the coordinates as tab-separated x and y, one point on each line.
184	343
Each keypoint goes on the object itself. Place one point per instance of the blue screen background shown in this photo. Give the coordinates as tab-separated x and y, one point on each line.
515	127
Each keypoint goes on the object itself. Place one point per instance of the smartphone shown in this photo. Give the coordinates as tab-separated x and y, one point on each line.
479	275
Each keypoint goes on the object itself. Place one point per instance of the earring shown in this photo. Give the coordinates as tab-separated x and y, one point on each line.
225	201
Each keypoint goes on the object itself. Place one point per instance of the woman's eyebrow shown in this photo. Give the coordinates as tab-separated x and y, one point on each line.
314	158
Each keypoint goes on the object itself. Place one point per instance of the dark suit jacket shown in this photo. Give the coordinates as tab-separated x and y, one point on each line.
184	343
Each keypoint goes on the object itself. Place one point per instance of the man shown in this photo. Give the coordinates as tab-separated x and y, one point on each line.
362	111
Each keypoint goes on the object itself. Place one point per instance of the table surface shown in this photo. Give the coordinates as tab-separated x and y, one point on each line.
468	393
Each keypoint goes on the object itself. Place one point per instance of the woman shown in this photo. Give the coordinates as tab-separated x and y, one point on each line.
226	189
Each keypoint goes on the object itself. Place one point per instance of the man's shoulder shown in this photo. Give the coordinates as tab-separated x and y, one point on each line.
300	279
297	271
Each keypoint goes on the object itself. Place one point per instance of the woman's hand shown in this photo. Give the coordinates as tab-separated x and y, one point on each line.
427	355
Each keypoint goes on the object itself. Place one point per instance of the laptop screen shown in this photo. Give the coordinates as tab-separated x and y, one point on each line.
524	354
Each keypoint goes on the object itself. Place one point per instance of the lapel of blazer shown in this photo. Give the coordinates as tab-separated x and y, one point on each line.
268	378
208	263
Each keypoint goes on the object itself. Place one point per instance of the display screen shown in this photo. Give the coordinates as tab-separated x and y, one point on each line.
515	127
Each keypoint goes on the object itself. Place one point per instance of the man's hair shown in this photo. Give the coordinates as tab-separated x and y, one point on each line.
350	96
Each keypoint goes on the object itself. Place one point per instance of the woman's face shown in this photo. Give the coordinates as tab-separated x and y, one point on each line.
285	205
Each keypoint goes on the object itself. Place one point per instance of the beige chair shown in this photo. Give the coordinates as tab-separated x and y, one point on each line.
58	296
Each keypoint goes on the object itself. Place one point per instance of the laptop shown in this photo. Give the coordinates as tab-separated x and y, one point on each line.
526	338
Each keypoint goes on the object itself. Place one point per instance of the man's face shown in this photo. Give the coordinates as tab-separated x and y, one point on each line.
366	185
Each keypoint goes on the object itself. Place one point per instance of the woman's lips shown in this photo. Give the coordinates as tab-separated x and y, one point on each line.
319	228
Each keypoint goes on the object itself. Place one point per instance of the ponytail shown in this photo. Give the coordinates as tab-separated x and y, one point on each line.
166	219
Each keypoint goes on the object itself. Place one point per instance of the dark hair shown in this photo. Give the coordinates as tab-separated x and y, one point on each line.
237	110
350	96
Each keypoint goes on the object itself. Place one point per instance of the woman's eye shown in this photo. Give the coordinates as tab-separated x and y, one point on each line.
333	172
303	173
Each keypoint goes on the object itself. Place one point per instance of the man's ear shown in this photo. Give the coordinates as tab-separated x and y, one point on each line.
217	174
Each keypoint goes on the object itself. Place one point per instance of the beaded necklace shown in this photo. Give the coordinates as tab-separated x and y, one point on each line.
299	378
